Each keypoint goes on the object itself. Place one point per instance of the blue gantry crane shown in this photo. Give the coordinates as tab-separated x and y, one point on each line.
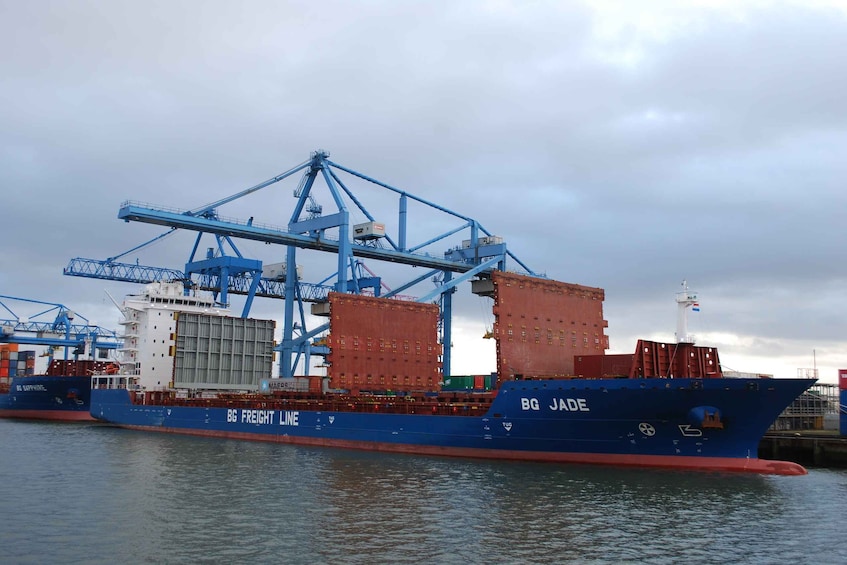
224	270
218	272
64	330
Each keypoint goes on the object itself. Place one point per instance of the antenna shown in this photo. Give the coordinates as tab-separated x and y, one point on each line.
684	300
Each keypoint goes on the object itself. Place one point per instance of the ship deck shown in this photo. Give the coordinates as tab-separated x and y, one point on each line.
452	404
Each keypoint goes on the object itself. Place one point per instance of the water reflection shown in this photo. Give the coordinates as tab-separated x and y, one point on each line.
96	494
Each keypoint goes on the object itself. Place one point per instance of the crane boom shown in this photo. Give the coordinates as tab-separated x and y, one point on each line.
144	274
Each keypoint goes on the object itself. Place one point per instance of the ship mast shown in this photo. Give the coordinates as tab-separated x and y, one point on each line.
684	300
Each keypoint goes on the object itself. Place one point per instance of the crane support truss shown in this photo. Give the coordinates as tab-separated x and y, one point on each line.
123	272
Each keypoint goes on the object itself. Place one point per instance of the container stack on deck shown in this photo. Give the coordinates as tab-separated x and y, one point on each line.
15	363
470	382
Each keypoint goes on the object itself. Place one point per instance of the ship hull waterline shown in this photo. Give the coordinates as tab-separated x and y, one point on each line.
643	423
715	464
47	415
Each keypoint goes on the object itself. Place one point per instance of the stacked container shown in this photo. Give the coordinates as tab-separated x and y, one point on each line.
14	363
7	364
470	382
6	349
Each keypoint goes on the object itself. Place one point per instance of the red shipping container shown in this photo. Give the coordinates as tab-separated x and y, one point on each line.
479	382
842	379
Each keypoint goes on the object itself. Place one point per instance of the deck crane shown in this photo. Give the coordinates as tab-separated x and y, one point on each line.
310	229
64	330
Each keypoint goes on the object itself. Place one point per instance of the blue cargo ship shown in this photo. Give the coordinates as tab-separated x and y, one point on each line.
191	370
63	393
47	397
704	424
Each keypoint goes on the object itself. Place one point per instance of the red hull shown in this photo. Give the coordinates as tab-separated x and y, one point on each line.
715	464
53	415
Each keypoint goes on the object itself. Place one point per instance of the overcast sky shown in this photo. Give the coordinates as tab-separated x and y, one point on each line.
622	145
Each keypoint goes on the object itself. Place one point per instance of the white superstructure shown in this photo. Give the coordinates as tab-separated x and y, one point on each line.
149	324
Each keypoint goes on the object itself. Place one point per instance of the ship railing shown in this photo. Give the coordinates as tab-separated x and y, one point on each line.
312	401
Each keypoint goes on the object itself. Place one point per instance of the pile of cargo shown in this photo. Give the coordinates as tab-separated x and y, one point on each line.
312	384
470	382
15	363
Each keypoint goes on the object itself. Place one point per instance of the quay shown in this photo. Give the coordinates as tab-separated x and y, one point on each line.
815	448
807	432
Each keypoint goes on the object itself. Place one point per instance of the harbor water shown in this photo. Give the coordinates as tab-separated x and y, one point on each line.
89	493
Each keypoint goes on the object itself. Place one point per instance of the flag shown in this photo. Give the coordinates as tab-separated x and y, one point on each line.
695	307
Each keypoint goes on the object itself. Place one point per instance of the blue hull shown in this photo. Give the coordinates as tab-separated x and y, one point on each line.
690	423
47	398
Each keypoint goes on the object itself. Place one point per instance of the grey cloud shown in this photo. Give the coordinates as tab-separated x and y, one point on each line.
715	153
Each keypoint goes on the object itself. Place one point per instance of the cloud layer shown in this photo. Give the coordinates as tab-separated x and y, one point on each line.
614	146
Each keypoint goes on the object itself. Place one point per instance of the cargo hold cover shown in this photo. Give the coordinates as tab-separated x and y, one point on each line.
541	324
383	344
224	353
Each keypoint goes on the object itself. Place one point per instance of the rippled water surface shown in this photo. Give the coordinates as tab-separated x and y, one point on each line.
86	493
